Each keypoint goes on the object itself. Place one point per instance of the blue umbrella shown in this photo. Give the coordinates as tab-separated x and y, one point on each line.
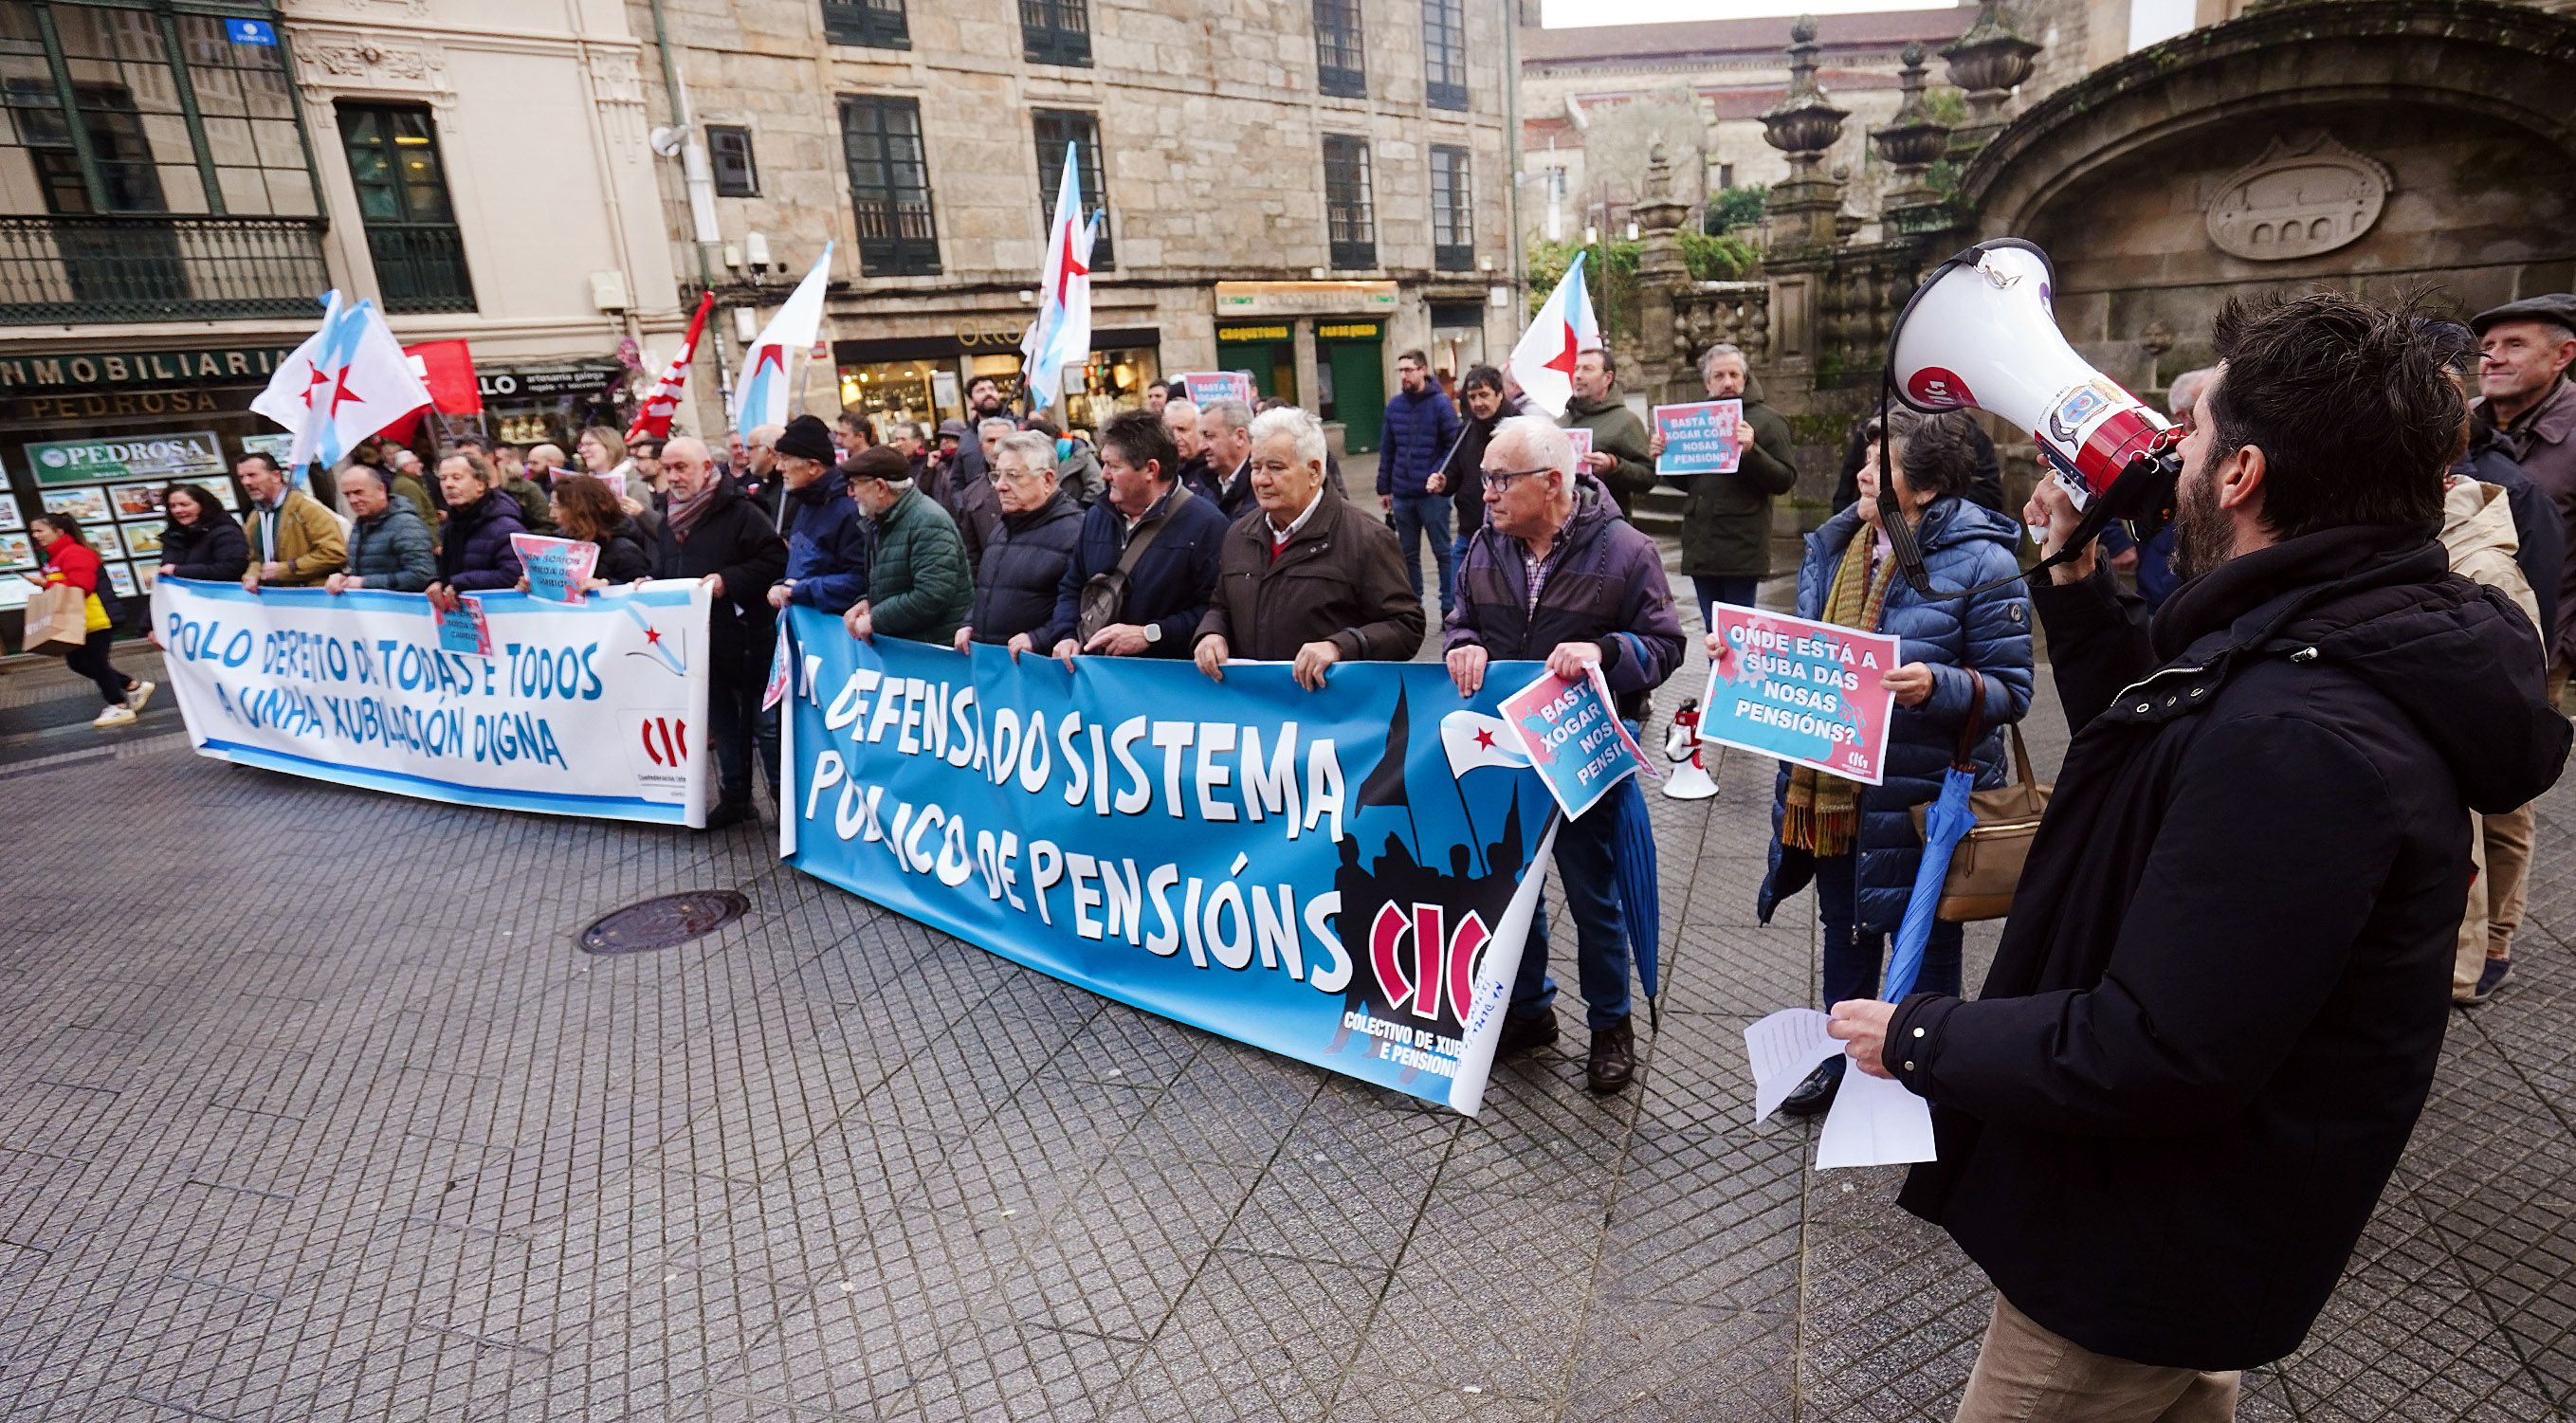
1633	853
1943	825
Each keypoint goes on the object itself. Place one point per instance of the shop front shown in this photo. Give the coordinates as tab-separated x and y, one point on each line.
96	435
1260	327
1268	349
1350	380
550	403
895	379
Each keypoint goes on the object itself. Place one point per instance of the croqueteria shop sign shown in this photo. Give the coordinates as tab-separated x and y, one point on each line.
1307	872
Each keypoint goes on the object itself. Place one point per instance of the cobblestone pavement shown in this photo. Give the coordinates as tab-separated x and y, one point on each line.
312	1111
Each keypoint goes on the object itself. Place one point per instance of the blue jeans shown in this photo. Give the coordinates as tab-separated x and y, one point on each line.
1600	930
1852	956
1739	590
1415	518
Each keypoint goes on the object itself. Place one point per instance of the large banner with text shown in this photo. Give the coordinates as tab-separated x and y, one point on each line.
1337	876
595	708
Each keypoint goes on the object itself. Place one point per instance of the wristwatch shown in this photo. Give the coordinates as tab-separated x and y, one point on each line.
1153	633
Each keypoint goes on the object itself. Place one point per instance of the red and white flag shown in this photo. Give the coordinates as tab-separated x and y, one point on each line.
1543	362
653	417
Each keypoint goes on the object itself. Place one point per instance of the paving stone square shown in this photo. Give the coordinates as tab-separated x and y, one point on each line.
314	1111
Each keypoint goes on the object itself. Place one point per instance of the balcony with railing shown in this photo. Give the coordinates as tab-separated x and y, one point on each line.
135	267
420	266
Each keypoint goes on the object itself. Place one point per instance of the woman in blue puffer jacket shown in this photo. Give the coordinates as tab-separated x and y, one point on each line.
1857	842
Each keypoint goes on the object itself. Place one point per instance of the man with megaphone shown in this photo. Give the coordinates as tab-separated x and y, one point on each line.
2217	1006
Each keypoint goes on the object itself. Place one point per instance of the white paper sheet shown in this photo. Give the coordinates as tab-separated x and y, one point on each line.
1874	1122
1785	1047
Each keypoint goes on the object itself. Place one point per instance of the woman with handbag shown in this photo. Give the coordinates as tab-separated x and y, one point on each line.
1961	660
71	563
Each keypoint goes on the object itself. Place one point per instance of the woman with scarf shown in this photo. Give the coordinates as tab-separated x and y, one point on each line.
202	539
1857	842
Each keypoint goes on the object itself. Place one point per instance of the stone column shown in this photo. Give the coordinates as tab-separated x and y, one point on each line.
1662	273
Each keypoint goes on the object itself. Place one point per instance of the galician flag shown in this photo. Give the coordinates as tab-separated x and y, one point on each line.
761	399
347	381
1543	362
653	417
1061	334
1473	740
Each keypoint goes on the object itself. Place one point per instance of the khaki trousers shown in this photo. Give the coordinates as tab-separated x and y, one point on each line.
2025	1374
2500	852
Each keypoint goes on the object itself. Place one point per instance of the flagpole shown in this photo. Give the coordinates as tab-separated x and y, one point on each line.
1475	837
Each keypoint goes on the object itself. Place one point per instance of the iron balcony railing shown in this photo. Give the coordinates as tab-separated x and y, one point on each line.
155	267
420	266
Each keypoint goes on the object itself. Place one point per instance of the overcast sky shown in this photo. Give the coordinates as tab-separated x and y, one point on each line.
1556	14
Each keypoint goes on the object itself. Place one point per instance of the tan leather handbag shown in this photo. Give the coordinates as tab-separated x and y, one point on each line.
1986	866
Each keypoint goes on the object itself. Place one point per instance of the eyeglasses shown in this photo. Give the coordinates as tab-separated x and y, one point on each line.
1500	481
999	474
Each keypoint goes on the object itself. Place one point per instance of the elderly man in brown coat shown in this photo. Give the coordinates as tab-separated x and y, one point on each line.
1300	577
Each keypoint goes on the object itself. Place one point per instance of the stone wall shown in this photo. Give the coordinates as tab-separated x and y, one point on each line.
1211	131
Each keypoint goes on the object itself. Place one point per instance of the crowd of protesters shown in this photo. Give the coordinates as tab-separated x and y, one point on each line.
2309	723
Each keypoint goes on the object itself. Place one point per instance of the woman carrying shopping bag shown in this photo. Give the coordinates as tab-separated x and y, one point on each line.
71	563
1958	657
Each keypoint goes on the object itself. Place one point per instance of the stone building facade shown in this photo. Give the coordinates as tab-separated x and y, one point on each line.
1594	99
179	183
925	140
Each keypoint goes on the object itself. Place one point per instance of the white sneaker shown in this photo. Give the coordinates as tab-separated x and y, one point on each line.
142	693
114	716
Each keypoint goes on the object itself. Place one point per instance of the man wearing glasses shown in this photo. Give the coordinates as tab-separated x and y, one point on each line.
1025	560
1555	575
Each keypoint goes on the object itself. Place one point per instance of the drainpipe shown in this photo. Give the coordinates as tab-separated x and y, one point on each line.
698	179
1512	141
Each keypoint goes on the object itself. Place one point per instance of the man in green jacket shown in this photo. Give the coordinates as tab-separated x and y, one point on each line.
1618	457
1726	523
919	587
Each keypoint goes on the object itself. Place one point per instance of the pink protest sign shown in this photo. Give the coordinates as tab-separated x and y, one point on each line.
1806	692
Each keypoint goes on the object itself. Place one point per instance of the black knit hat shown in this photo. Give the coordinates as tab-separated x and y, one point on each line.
807	438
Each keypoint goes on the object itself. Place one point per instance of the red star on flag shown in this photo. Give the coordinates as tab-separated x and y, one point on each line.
312	377
1484	739
770	356
652	637
1564	360
1070	268
341	394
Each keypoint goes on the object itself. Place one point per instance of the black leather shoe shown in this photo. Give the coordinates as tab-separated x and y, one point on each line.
725	815
1815	1094
1614	1058
1527	1034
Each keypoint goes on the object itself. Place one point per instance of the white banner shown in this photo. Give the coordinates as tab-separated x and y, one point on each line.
597	708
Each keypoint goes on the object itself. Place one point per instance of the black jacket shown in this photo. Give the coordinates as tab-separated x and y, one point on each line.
2540	536
211	548
475	553
2217	1006
626	554
1173	580
1015	585
736	539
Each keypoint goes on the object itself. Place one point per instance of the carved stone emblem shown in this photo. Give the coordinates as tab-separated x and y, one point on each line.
2304	196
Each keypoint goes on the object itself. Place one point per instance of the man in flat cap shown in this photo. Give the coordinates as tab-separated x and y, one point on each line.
2524	351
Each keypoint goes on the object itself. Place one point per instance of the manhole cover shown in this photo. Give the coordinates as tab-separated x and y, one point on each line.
663	921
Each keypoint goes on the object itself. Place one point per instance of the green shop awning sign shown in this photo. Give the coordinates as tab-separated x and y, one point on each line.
192	453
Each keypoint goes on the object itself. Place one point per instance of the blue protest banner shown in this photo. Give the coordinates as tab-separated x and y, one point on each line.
1307	872
1704	437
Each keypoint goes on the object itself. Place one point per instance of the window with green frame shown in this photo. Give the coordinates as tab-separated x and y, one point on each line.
113	109
402	197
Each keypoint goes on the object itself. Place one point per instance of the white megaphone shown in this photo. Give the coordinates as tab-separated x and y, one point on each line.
1979	332
1690	780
